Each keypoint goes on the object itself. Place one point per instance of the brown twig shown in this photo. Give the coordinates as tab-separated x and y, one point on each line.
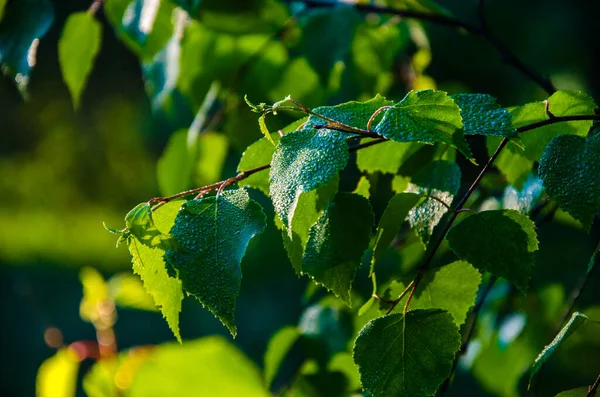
593	388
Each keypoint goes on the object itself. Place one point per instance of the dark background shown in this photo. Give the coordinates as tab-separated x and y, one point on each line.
63	173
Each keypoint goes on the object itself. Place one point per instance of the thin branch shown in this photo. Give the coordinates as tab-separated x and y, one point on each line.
337	127
576	293
158	201
593	388
453	217
555	119
507	55
469	331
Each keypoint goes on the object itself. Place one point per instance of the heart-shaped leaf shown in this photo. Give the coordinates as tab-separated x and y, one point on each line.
570	169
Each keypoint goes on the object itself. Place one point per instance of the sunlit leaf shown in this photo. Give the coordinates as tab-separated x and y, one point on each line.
452	287
57	376
77	49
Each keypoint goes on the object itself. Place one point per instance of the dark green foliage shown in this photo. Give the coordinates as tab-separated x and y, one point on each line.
569	168
332	256
406	355
482	240
213	233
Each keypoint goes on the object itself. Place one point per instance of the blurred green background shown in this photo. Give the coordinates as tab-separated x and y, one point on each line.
64	172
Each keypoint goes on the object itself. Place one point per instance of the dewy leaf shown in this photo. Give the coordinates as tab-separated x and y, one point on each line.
570	169
439	179
406	355
308	211
260	153
425	116
355	114
389	224
481	115
576	321
23	25
303	161
149	264
277	349
386	157
172	370
77	49
561	103
333	255
500	242
452	287
214	233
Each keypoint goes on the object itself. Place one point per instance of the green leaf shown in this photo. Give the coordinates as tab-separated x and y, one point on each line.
355	114
24	23
57	376
406	355
579	392
333	255
308	211
237	17
183	162
325	330
149	264
385	157
576	321
451	287
512	163
481	115
145	26
343	362
78	46
303	161
327	36
2	5
140	223
481	239
127	290
569	169
425	116
561	103
260	153
277	350
363	187
257	154
214	233
440	179
173	370
389	224
174	168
